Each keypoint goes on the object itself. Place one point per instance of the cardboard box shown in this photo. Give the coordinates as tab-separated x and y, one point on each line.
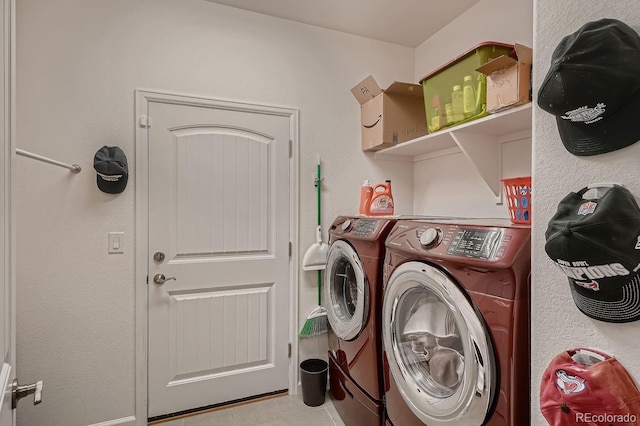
391	116
508	79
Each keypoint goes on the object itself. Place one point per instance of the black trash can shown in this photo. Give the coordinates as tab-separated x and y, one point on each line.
313	375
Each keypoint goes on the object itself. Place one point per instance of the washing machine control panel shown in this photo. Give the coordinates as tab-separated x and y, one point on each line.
488	240
365	227
361	228
477	243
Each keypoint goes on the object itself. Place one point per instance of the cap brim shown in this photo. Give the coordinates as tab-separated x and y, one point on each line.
112	187
606	135
619	305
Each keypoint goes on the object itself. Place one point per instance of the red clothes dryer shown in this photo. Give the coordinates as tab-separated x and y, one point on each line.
455	323
352	294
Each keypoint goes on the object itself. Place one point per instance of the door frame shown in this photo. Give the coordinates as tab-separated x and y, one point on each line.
142	122
7	208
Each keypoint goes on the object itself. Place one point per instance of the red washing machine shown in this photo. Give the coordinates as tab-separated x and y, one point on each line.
455	323
353	297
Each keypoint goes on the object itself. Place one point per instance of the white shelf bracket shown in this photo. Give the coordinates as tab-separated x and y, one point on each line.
483	151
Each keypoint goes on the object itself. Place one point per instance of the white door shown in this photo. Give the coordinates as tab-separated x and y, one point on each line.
219	232
7	316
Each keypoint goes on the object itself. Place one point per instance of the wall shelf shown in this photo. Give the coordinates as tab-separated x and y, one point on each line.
479	140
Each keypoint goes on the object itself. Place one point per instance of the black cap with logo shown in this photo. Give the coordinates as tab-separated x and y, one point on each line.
593	88
596	243
111	166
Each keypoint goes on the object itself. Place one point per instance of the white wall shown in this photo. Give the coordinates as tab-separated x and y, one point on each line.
450	185
488	20
557	324
79	62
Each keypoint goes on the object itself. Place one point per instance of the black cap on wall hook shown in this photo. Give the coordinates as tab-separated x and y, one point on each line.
112	169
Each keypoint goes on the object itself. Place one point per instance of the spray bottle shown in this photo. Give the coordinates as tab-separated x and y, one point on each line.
382	200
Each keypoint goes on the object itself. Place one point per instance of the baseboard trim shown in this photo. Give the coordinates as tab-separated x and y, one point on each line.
129	421
214	407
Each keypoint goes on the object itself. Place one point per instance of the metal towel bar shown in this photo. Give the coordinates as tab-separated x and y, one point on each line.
73	167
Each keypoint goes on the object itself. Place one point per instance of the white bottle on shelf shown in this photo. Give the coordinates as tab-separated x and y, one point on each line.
468	98
457	99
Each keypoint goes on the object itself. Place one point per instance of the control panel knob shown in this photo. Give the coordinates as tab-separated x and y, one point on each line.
346	225
429	237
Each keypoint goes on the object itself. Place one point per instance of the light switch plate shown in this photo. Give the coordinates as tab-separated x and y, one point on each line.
116	242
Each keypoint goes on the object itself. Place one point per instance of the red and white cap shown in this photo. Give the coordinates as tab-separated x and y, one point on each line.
586	387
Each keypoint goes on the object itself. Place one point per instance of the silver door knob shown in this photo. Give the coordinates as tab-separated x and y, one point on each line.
18	392
161	279
158	257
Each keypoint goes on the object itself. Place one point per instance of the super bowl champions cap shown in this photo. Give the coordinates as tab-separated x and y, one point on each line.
593	88
112	169
588	387
596	243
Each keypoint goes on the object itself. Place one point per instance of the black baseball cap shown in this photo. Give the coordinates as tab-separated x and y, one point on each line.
111	166
596	243
593	88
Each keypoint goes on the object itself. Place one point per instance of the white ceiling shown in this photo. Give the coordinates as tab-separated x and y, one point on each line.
403	22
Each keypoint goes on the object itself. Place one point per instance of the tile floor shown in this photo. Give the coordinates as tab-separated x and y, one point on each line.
282	410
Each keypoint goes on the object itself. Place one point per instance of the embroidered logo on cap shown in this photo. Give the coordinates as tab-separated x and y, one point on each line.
110	178
585	114
591	285
581	270
587	208
569	384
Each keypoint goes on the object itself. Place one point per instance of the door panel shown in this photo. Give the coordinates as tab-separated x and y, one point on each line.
219	211
228	212
202	323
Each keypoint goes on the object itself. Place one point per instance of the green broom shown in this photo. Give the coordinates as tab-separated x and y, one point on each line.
317	322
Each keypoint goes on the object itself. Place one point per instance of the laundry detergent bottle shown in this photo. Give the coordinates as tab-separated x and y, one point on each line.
366	192
381	200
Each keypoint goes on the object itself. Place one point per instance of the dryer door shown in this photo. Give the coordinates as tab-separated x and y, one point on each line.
346	292
438	348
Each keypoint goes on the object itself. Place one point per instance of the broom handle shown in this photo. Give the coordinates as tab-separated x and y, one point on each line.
319	183
319	190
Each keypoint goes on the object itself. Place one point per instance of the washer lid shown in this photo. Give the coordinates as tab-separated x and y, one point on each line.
346	292
438	349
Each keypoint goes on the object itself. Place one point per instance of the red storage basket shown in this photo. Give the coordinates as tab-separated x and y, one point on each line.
518	192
